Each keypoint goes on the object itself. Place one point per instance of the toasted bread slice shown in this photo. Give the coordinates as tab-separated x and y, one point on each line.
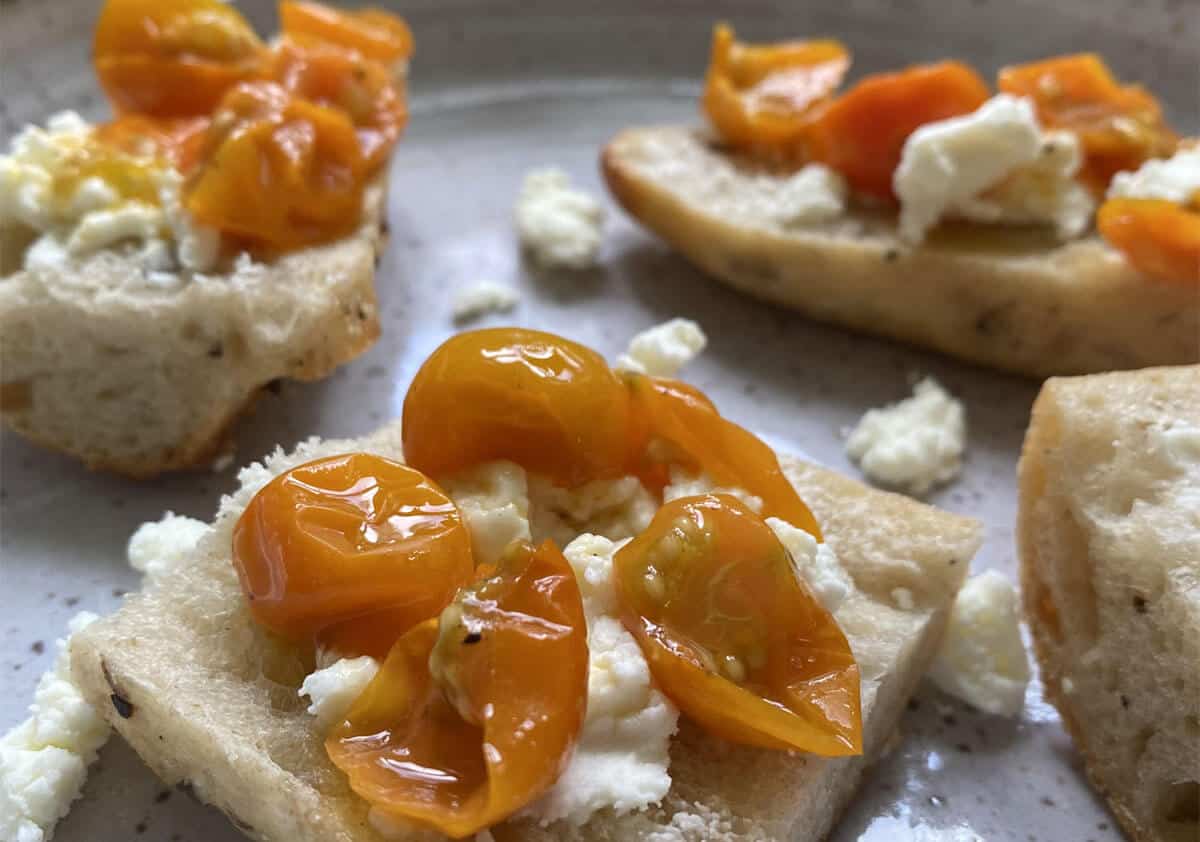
208	699
140	379
1012	298
1109	536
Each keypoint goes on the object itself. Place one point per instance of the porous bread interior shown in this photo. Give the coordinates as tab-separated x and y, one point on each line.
214	699
1109	538
1009	297
139	379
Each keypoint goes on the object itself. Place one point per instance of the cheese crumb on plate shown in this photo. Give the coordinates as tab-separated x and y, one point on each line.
482	298
559	225
662	350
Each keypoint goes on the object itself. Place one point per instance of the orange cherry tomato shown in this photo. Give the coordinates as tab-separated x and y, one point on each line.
172	59
1159	237
760	98
861	134
180	140
548	404
731	634
278	171
1119	126
353	548
374	33
687	422
473	716
337	78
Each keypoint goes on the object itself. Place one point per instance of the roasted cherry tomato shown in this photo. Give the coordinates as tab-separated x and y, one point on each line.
474	716
172	58
861	134
680	425
353	550
179	140
374	33
760	98
1160	238
1119	126
361	88
548	404
731	634
277	170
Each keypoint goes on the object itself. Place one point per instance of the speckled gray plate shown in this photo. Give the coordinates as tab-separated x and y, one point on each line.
501	87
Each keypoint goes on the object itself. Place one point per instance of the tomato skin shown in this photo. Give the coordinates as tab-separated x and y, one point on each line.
180	140
373	32
731	634
351	548
172	59
1120	127
1157	236
861	133
548	404
278	171
683	417
760	97
512	656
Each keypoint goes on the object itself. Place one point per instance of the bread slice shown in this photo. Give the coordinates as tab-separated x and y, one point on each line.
1012	298
1109	537
207	699
139	379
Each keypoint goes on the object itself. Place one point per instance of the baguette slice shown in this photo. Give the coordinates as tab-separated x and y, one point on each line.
1109	537
138	379
1012	298
206	698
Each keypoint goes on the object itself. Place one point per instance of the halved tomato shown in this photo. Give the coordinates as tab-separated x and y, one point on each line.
373	32
353	550
548	404
1158	237
180	140
474	715
731	634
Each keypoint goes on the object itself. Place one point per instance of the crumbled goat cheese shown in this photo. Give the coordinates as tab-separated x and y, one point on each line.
159	547
95	216
815	563
44	760
494	501
560	226
615	508
993	165
482	298
982	659
914	444
814	194
1176	179
686	484
622	756
662	350
334	688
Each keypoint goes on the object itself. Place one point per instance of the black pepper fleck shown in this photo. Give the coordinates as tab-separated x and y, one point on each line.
216	351
71	601
122	706
472	637
37	647
1139	603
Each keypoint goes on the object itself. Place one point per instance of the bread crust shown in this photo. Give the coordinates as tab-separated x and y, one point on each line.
178	368
213	698
1010	298
1130	401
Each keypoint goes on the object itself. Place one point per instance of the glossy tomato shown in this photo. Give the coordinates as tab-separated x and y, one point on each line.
375	33
474	716
353	549
1158	237
732	635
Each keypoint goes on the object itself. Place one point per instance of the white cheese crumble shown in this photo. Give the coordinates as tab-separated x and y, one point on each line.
982	659
615	508
816	564
157	548
993	165
686	484
44	760
95	216
912	445
560	226
482	298
622	756
814	194
334	688
1176	179
662	350
494	501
